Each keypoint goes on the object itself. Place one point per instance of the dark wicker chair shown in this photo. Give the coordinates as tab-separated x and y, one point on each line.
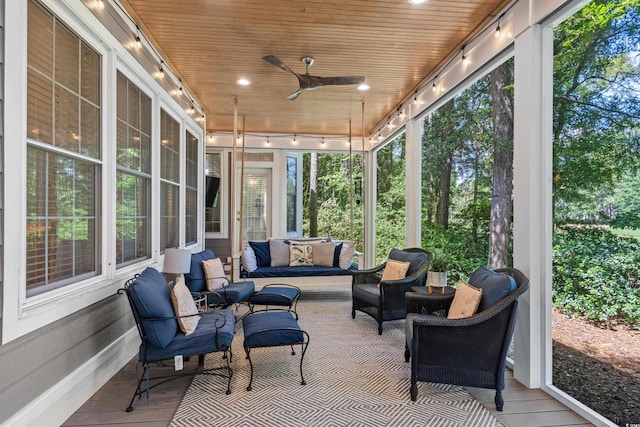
467	352
386	302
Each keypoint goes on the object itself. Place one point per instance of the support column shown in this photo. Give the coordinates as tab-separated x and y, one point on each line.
413	202
370	178
532	233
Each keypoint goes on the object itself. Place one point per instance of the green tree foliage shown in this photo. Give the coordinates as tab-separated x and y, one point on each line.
597	275
391	198
627	200
596	103
334	196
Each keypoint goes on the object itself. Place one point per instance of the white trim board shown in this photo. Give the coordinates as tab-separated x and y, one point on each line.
56	405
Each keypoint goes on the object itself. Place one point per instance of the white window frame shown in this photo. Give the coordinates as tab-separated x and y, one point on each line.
198	133
22	315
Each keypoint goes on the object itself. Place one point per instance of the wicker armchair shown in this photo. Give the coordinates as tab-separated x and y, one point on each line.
386	302
467	352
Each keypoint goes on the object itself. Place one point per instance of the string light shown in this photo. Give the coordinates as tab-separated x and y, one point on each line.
268	142
161	69
415	97
498	29
294	139
465	60
191	109
138	42
323	140
401	113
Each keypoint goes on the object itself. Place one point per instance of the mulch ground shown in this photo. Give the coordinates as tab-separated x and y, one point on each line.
599	367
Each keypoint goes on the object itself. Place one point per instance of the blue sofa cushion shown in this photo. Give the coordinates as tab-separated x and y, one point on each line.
263	253
152	296
288	271
268	329
195	279
336	255
414	259
495	286
205	339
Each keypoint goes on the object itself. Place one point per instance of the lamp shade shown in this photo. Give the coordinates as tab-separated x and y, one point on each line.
177	261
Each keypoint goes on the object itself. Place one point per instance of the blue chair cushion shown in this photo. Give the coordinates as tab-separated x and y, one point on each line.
413	258
152	296
495	286
263	253
370	293
268	329
195	279
205	339
275	295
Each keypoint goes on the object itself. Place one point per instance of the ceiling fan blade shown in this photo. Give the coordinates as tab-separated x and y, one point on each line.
294	95
344	80
273	60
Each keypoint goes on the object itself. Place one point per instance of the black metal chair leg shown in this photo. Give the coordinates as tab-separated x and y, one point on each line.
414	392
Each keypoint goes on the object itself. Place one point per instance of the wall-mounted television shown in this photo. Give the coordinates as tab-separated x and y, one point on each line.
213	190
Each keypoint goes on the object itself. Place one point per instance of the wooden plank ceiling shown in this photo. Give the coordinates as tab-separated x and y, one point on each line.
395	45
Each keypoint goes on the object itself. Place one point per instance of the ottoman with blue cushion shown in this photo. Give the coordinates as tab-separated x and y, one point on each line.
278	295
272	329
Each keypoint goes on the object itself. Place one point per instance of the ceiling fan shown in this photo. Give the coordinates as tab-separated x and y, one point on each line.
309	82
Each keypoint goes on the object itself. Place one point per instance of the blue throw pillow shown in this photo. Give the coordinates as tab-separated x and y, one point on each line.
263	254
336	255
195	279
495	286
152	297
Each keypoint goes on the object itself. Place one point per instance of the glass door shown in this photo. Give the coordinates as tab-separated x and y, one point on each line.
256	204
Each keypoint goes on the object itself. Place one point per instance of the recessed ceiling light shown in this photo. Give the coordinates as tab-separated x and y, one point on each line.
243	82
363	86
417	1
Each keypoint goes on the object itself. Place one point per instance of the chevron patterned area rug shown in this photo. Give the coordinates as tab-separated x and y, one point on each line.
354	376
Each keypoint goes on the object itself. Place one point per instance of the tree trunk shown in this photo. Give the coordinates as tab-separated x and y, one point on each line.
444	192
500	223
313	196
446	165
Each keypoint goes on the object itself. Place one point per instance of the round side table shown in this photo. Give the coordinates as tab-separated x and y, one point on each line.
434	302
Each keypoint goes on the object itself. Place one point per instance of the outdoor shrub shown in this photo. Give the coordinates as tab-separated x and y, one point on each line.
596	275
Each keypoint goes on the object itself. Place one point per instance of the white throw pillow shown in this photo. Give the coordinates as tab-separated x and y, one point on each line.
214	273
184	305
248	259
346	256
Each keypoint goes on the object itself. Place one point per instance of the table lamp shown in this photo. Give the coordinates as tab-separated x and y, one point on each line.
177	261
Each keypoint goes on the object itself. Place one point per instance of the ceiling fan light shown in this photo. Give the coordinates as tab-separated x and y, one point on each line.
415	2
243	81
363	86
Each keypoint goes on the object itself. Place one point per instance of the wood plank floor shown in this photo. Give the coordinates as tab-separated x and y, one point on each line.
523	407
